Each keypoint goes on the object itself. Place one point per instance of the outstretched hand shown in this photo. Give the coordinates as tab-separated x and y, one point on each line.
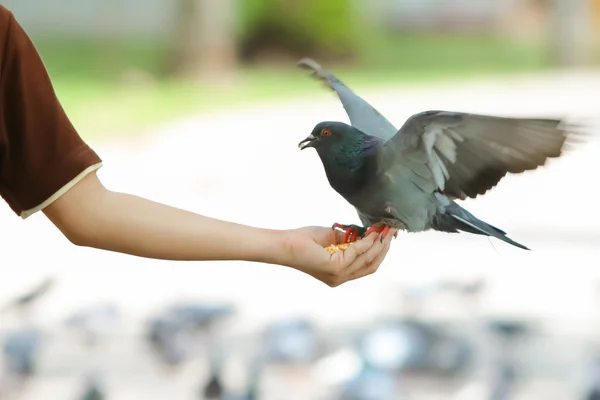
90	215
307	253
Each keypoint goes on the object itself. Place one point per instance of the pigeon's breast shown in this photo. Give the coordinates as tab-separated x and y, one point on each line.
396	201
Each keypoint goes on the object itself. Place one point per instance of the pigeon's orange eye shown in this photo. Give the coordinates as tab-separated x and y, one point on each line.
325	132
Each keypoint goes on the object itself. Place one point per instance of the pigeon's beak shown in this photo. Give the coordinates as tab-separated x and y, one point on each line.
308	142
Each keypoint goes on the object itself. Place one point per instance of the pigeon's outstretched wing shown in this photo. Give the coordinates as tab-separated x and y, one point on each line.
464	155
363	116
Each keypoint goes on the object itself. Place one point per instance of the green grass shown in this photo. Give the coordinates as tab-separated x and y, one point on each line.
88	77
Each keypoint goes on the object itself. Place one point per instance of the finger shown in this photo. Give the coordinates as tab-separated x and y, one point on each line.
366	257
368	267
393	233
374	265
352	252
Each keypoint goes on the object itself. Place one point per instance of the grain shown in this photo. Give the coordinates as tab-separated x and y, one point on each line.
335	248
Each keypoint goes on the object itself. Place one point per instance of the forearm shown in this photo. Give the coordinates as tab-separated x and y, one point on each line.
90	215
144	228
137	226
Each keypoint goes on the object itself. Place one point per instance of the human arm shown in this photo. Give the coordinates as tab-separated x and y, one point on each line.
46	166
91	215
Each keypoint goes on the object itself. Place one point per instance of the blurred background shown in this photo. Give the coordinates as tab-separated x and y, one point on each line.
198	104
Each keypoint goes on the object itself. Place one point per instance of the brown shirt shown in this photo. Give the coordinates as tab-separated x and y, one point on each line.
41	153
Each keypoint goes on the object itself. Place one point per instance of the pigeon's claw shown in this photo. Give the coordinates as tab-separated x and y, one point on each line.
351	232
381	229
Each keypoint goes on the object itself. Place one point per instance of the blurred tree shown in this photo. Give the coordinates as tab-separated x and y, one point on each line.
204	42
571	32
291	28
596	5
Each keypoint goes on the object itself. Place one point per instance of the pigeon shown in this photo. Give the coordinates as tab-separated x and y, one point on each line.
30	297
21	350
409	178
92	389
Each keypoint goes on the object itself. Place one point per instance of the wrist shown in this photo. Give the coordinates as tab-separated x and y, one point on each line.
274	247
280	248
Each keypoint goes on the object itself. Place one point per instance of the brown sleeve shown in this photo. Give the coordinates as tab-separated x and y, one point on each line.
41	153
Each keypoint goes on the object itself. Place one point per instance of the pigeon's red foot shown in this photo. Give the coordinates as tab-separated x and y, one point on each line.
381	229
351	232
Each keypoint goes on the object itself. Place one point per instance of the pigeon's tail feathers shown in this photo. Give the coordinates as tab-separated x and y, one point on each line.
457	219
480	227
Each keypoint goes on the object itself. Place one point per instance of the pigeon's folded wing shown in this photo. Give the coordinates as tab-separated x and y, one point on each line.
362	115
465	155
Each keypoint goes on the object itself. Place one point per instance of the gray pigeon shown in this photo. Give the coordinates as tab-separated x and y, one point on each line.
409	178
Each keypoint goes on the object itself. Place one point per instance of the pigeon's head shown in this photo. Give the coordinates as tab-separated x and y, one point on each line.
327	134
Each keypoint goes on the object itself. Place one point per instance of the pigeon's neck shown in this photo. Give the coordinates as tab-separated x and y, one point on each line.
347	165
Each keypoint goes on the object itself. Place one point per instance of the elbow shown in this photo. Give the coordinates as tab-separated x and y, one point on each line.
77	237
74	230
76	213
